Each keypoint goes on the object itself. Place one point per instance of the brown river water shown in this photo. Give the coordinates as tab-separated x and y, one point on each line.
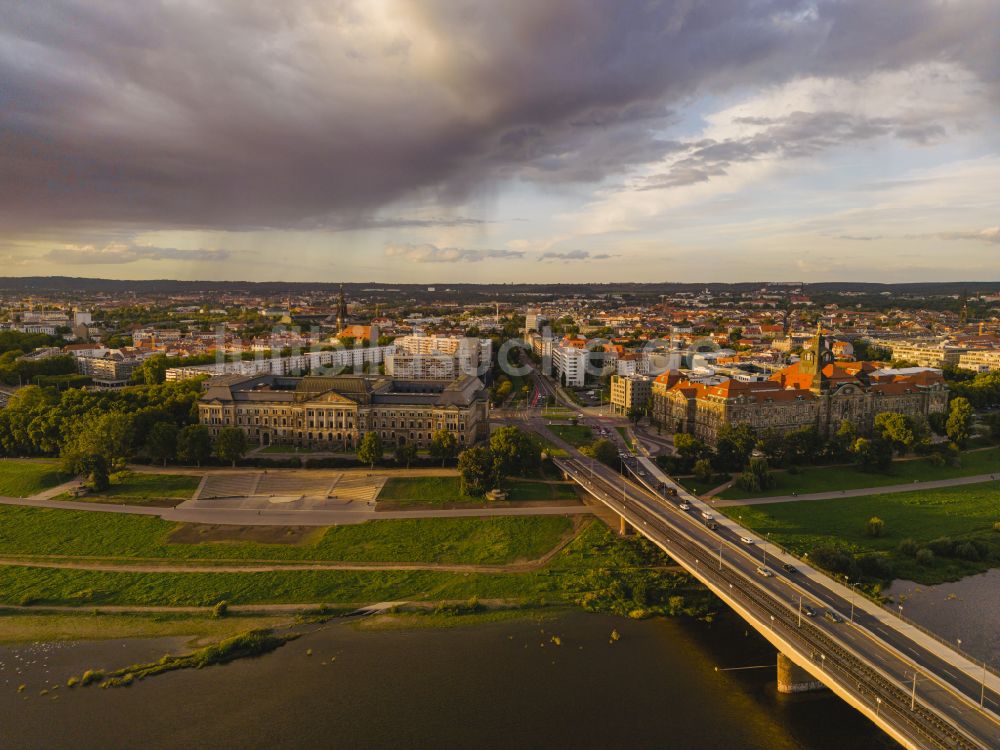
492	685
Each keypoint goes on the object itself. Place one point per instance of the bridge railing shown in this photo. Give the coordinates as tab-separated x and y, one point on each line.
892	610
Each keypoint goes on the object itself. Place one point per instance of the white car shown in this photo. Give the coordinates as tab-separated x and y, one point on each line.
685	506
766	572
706	515
746	540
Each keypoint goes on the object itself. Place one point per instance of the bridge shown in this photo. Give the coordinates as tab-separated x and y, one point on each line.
918	690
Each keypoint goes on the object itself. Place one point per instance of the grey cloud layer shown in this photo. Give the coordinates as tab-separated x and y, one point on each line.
236	115
118	253
427	253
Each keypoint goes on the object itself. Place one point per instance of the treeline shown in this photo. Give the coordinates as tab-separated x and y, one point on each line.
981	389
43	421
740	448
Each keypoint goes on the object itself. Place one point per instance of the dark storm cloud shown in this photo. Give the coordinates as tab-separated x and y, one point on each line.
239	115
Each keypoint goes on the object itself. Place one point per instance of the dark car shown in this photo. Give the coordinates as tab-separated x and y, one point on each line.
789	568
808	611
833	616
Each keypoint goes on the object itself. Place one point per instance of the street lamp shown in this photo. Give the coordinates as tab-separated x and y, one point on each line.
823	661
878	705
852	598
772	623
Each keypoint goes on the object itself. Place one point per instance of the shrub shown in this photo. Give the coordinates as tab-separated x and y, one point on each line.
996	526
942	546
968	551
925	557
876	566
908	547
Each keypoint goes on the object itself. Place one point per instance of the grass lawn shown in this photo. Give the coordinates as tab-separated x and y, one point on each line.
624	433
557	412
413	492
588	564
576	435
26	532
425	490
833	478
962	513
163	490
287	449
21	478
521	489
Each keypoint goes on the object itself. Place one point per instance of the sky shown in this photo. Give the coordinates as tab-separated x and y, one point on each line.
478	141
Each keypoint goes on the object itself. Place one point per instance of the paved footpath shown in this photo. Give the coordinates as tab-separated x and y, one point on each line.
266	517
935	484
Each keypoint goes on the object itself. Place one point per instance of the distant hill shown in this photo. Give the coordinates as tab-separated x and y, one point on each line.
68	284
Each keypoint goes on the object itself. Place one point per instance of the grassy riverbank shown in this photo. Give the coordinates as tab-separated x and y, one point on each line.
836	478
29	532
960	514
596	570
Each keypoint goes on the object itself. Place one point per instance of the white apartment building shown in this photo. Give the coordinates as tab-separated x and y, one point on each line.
570	363
420	357
980	360
337	359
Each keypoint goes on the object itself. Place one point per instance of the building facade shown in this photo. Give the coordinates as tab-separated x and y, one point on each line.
334	413
630	392
815	392
438	357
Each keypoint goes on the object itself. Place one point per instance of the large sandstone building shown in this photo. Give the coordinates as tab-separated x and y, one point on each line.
333	413
816	391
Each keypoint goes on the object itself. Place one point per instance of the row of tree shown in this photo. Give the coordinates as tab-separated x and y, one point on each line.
894	433
509	452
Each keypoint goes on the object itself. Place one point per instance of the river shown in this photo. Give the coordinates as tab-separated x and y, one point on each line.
966	610
491	685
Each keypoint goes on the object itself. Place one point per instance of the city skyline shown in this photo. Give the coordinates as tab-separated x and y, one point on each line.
446	143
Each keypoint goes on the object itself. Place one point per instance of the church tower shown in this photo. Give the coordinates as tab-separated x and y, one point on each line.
341	311
814	359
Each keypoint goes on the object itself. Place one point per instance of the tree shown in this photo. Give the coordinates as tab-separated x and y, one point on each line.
689	449
842	441
444	446
480	470
194	444
959	425
370	450
109	435
405	453
602	450
152	371
802	445
734	445
875	526
515	450
231	444
896	429
161	443
757	477
703	469
872	453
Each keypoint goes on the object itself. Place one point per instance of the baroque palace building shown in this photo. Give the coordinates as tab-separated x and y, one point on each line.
333	413
817	391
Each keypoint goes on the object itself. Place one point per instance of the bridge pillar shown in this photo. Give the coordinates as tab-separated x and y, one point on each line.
624	527
794	679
